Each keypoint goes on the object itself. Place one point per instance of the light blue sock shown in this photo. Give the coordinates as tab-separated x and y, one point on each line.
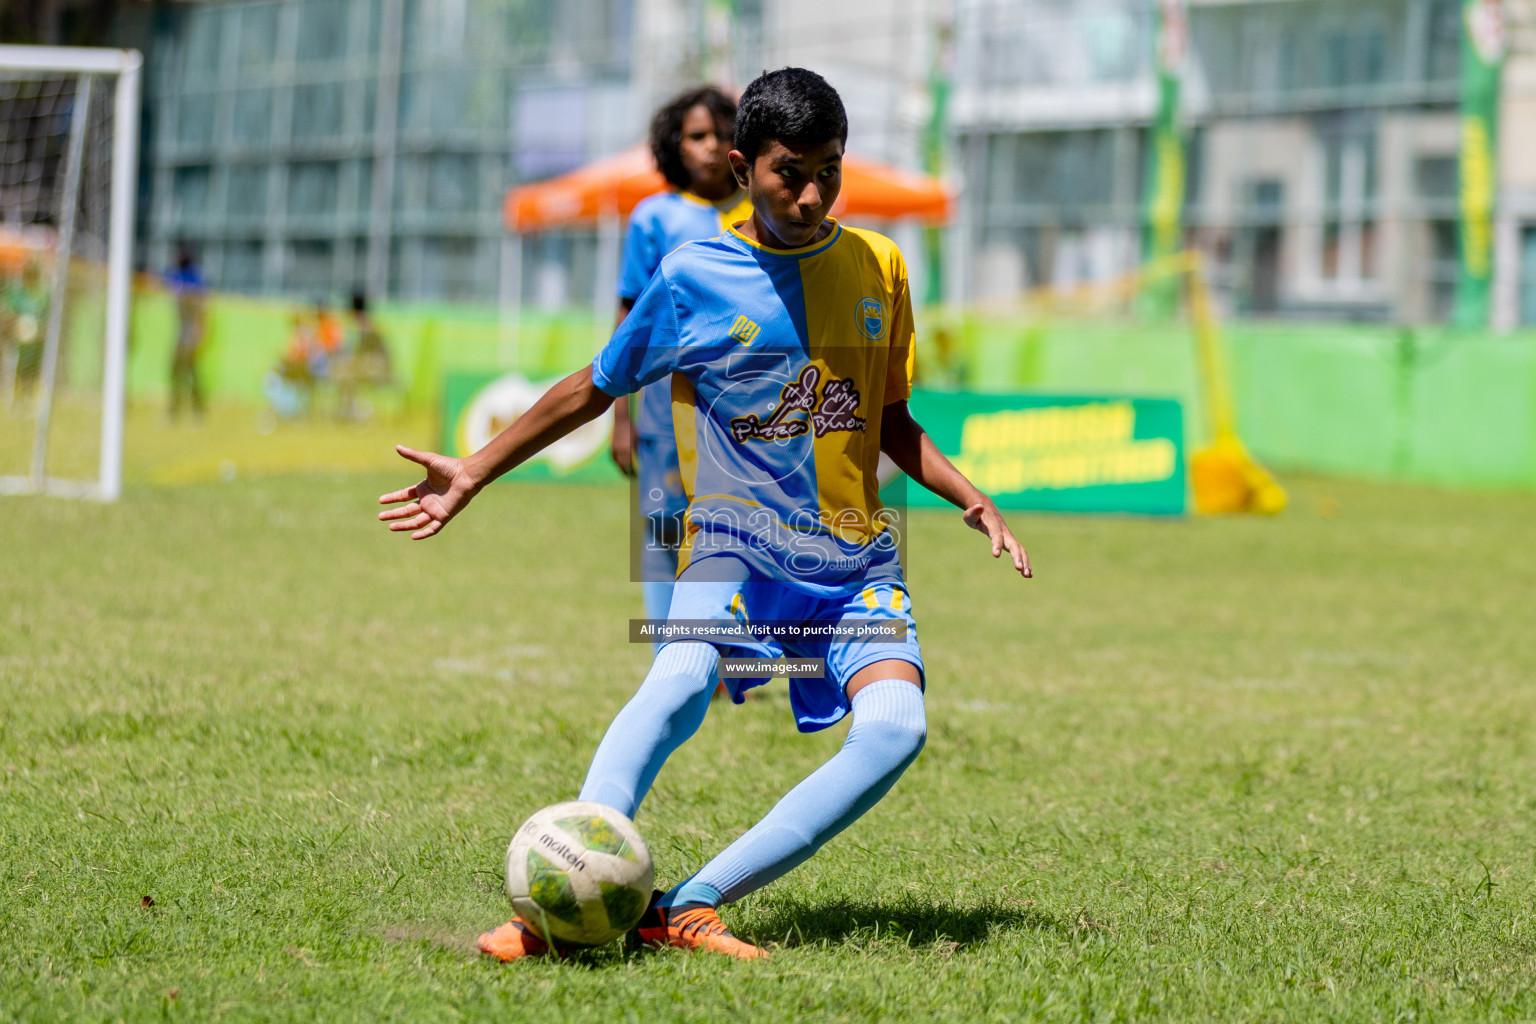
658	599
667	709
889	727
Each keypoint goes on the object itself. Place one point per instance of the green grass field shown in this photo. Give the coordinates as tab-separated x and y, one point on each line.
232	442
1219	770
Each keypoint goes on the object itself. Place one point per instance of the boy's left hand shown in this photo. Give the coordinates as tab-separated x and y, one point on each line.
985	518
434	501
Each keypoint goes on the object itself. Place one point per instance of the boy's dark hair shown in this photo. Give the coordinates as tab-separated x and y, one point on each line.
794	106
667	128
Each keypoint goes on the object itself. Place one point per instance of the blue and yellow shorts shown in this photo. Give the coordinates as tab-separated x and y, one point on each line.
817	703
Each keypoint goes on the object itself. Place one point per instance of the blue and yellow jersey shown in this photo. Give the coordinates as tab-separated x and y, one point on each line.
658	225
782	362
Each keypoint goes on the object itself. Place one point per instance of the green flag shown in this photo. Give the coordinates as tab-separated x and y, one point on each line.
1482	60
1163	203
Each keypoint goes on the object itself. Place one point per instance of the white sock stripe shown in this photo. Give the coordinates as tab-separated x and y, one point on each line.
686	657
896	701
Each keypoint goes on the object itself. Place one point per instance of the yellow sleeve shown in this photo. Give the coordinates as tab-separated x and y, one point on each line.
902	336
736	214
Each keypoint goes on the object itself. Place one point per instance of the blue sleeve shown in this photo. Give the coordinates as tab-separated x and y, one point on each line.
645	347
642	255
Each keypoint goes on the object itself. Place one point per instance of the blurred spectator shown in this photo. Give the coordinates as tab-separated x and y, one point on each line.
366	360
23	316
303	350
290	387
329	337
185	281
367	345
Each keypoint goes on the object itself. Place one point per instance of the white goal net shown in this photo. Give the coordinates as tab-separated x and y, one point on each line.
69	122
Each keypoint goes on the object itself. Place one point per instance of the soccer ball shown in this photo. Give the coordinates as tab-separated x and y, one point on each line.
579	874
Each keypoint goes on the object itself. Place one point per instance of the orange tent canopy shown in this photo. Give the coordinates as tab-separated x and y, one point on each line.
615	184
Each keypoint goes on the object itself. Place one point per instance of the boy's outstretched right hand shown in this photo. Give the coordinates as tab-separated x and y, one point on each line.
431	503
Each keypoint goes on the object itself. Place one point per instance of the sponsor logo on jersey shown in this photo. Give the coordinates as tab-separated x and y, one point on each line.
839	403
744	330
835	407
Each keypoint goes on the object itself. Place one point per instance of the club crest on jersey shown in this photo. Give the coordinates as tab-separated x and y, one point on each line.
870	314
835	408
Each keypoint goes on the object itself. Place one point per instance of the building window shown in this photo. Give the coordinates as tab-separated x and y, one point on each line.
242	266
253	117
453	182
258	36
1057	208
1528	275
1442	61
1349	208
317	111
1258	246
1434	181
1354	57
313	191
310	267
190	197
323	35
246	195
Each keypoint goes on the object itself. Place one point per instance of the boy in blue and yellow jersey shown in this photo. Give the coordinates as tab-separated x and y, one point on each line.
690	139
789	341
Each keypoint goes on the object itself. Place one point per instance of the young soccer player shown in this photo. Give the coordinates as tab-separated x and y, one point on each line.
790	344
690	139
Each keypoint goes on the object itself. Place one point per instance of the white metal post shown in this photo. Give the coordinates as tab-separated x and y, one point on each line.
606	274
275	240
79	124
114	375
385	132
510	320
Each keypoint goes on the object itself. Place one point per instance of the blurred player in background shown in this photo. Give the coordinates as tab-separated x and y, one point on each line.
791	341
690	138
364	363
23	318
290	385
365	344
329	337
185	281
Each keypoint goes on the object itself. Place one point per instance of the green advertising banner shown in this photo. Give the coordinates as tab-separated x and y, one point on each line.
1057	453
1482	60
1163	205
478	406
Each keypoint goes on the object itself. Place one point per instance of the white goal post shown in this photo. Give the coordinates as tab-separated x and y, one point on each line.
69	131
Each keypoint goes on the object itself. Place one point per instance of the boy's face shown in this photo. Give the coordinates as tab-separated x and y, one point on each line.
702	150
792	187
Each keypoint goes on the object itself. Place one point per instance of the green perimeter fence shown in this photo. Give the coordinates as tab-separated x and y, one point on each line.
1428	405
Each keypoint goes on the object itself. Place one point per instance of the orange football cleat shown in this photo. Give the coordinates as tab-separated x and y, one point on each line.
513	941
692	926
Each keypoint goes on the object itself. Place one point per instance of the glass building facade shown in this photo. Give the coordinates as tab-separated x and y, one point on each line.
1321	162
310	147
